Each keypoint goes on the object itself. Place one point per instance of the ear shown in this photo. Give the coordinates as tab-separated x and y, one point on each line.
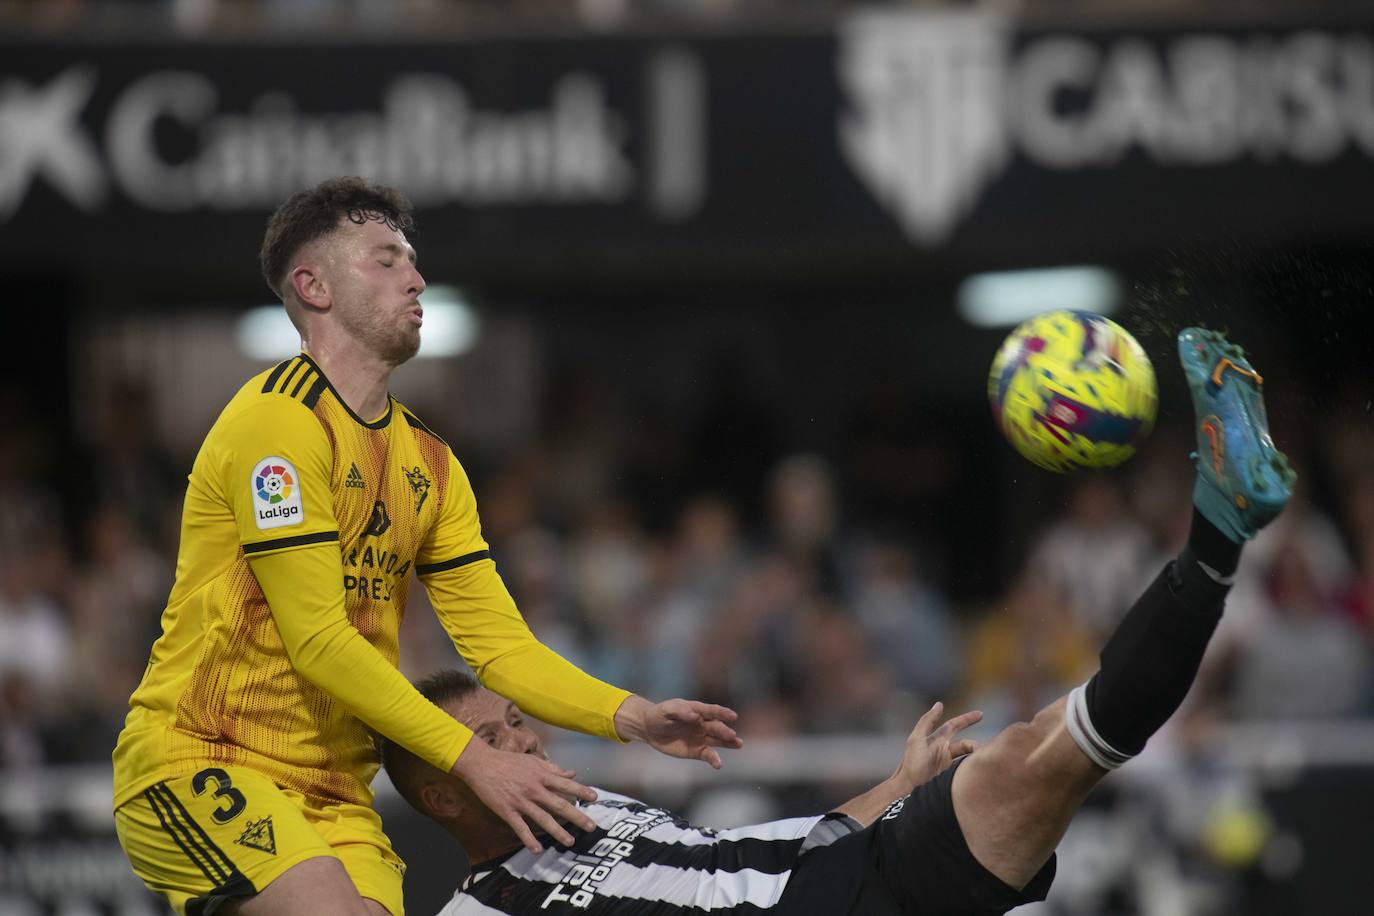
310	287
442	800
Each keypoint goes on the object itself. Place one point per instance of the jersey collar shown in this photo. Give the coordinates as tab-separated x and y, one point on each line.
379	423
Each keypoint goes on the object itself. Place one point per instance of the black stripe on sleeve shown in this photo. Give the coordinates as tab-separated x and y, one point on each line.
319	537
271	382
312	397
184	840
206	845
305	377
290	375
424	569
415	423
769	857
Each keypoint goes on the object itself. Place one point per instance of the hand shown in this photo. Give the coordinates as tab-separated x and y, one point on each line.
522	787
930	750
679	728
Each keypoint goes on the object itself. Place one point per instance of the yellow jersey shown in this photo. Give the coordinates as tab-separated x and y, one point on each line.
301	526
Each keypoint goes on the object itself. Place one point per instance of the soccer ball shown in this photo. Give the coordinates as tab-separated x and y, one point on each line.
1073	390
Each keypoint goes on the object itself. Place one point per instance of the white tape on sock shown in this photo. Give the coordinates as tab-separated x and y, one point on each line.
1085	734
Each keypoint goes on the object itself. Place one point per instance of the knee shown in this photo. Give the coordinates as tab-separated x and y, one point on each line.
1024	750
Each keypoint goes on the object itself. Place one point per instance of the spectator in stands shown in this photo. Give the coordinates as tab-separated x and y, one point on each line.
607	567
127	457
35	657
740	652
1094	555
1358	599
1305	660
534	566
29	507
1027	650
695	576
804	519
836	682
1310	531
116	598
906	622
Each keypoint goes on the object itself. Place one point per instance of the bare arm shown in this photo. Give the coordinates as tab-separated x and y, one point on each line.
929	752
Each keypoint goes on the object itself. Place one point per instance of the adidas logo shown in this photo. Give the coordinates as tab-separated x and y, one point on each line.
355	478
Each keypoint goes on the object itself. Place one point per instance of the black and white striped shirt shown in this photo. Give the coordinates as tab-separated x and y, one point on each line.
645	861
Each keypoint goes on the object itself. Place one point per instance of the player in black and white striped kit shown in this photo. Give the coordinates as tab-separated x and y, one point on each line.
646	853
640	860
977	839
643	859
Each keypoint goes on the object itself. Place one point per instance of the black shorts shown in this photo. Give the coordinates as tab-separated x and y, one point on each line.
913	861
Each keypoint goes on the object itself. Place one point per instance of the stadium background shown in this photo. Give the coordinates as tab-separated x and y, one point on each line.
713	375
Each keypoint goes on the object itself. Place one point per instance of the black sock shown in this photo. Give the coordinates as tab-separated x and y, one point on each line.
1206	544
1149	663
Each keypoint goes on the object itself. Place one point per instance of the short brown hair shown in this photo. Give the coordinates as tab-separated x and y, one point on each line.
309	215
407	771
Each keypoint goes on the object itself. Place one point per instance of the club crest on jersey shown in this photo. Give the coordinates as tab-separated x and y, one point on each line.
419	485
259	835
276	493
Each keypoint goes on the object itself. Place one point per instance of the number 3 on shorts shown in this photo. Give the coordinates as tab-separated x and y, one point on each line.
224	788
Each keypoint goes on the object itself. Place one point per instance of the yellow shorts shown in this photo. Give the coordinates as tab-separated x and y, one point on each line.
228	832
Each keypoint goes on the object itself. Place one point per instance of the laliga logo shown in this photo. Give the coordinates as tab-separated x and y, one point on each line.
274	484
277	498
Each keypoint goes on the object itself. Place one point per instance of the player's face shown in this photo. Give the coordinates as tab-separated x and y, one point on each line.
376	288
499	723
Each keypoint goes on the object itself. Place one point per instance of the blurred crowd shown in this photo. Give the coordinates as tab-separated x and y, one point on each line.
803	612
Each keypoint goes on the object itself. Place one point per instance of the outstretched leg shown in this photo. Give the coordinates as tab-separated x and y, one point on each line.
1015	798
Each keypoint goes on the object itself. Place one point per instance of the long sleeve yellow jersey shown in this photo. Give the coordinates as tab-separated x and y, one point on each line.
301	526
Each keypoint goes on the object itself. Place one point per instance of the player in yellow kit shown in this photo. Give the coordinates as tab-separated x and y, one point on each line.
242	774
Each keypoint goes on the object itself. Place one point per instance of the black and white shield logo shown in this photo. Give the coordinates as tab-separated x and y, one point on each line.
926	131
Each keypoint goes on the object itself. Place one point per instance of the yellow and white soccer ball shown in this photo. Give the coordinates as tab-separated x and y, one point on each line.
1073	390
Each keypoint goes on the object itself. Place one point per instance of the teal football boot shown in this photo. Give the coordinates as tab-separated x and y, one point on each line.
1243	481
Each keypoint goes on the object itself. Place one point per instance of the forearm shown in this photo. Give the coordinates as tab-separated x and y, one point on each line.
554	690
869	806
488	631
630	717
929	752
347	667
328	651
